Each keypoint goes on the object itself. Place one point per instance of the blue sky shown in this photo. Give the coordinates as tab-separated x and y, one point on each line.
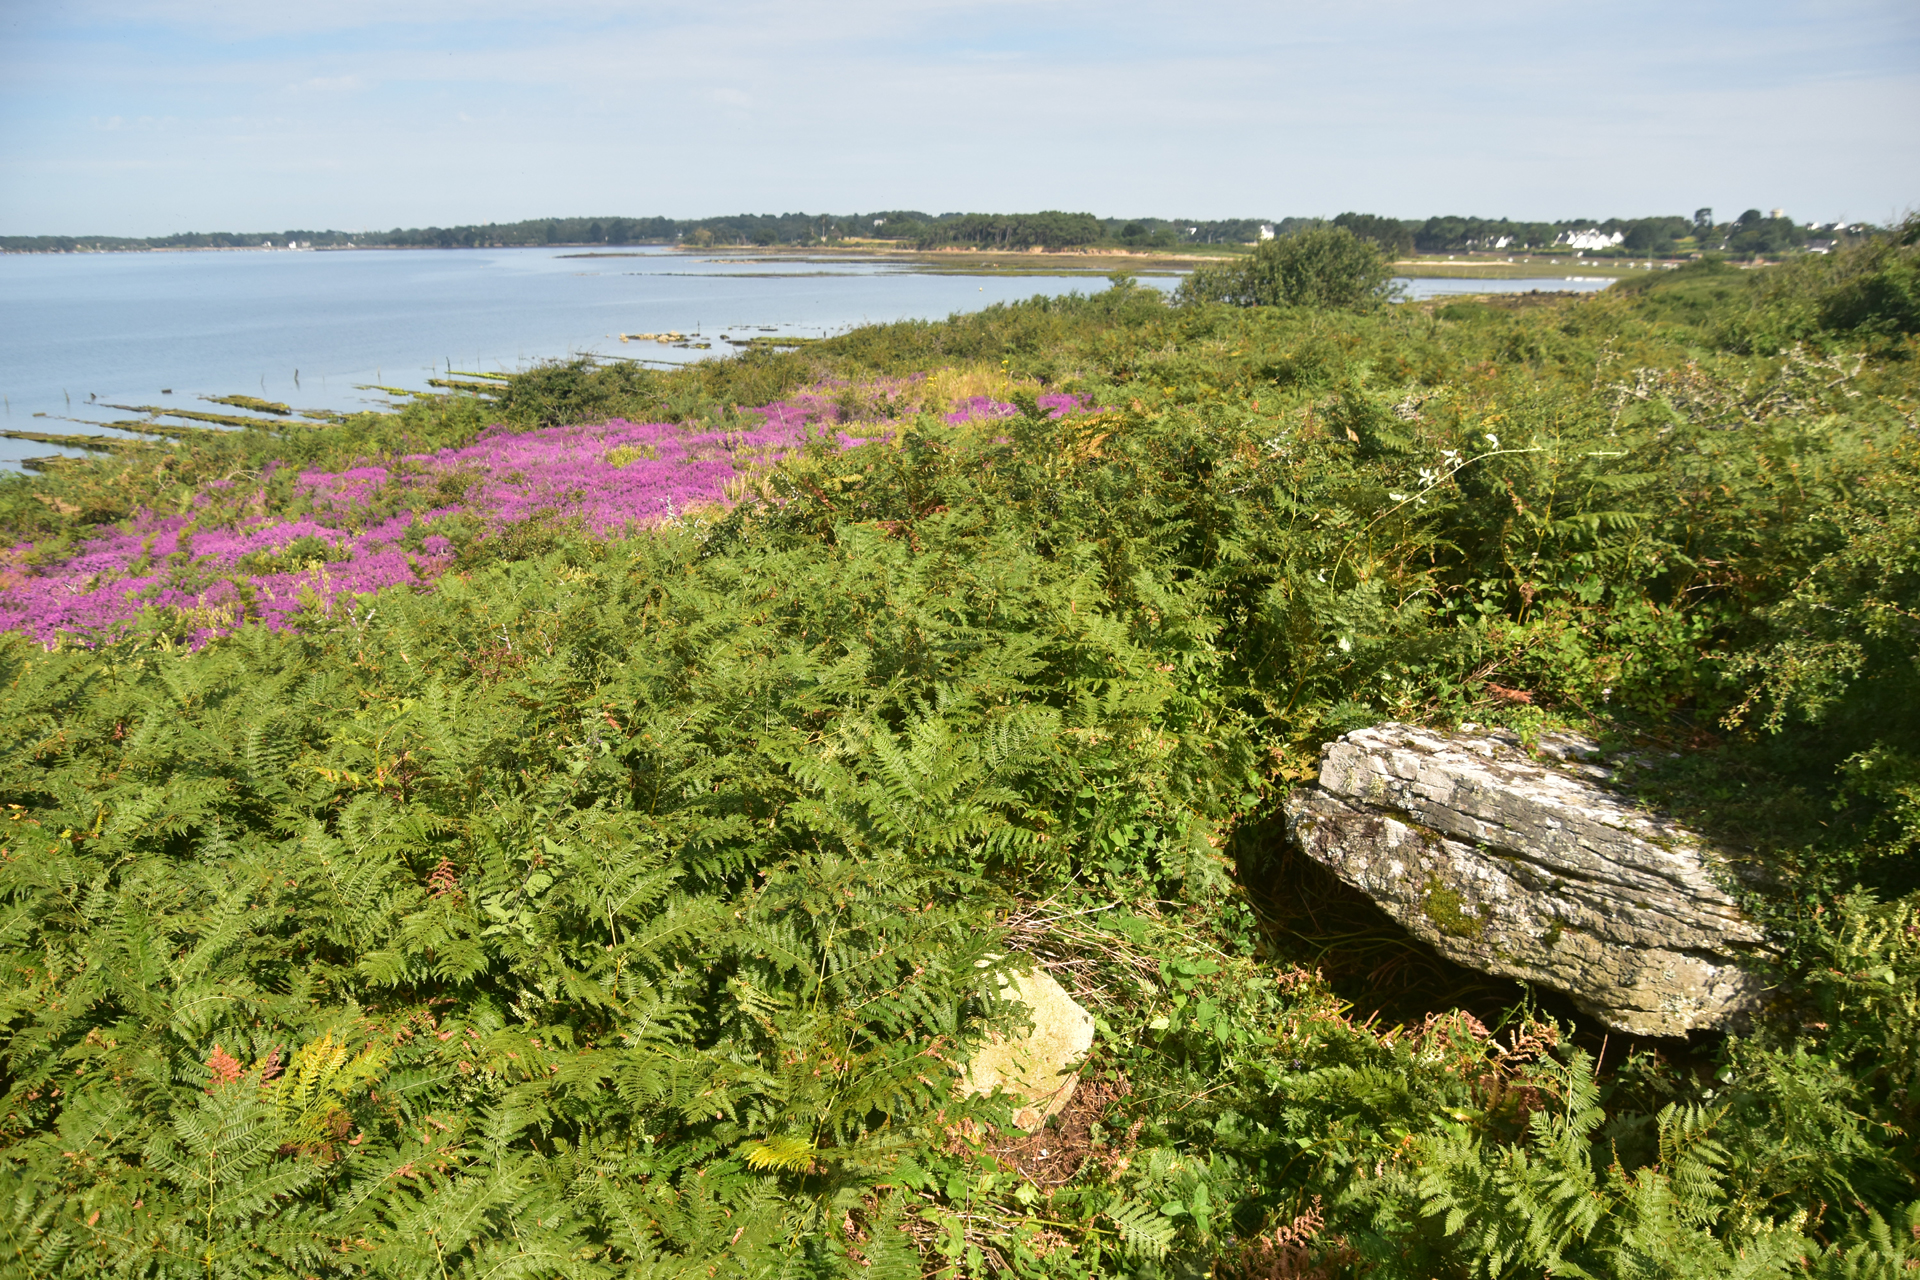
148	116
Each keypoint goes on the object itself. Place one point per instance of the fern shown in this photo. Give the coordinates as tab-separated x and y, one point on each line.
367	950
1142	1228
319	1079
789	1154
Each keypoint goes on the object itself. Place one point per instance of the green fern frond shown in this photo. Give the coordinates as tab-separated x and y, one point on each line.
1143	1229
788	1154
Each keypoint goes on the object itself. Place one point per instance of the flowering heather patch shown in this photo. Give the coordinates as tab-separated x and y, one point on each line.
203	576
380	525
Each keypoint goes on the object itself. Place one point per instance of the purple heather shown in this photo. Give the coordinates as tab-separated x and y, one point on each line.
373	526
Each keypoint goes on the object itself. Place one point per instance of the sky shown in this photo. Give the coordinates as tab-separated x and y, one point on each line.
145	117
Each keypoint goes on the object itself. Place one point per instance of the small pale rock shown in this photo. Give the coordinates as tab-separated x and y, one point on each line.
1038	1066
1533	870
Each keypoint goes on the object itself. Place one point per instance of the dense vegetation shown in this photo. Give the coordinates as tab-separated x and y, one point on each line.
1750	235
1746	236
1051	230
623	905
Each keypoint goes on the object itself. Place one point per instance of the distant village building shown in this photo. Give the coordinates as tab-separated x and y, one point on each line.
1591	238
1266	231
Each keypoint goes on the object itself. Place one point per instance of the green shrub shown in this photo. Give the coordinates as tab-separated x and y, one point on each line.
1879	289
1319	267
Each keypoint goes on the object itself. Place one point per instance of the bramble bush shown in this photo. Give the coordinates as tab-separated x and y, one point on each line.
625	902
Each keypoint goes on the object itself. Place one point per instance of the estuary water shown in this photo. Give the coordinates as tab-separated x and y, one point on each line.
1418	287
81	332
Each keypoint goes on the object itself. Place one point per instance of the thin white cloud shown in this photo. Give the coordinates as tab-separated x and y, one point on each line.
1240	108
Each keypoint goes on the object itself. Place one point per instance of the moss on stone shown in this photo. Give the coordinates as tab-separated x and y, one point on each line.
1446	909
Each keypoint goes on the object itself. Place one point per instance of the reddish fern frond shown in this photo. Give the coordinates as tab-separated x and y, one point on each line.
444	879
224	1066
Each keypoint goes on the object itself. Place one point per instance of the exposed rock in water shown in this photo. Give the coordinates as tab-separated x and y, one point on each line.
1534	870
1038	1066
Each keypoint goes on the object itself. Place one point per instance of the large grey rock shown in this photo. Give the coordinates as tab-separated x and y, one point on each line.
1533	869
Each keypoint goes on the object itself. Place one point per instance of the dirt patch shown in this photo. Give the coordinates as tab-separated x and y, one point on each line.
1056	1154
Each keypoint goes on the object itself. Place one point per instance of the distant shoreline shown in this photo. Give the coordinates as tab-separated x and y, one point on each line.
964	259
599	249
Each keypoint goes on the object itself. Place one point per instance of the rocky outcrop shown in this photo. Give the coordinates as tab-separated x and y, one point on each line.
1533	869
1038	1066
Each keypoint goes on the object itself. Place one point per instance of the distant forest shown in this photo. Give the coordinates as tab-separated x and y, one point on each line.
1751	233
1049	229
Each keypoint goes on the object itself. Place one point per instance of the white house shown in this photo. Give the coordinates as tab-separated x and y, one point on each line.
1591	238
1266	231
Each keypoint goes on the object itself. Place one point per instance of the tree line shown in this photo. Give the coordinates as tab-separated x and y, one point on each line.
1047	229
1750	234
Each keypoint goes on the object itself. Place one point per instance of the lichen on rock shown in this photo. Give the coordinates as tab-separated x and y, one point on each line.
1533	869
1038	1066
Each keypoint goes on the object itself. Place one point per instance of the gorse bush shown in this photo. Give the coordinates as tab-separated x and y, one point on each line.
628	904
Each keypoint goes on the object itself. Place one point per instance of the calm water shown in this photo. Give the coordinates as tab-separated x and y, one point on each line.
78	331
125	328
1429	287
